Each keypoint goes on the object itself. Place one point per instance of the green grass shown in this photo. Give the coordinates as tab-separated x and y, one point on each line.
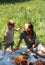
31	11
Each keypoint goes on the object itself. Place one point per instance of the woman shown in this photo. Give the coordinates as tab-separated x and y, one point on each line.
31	41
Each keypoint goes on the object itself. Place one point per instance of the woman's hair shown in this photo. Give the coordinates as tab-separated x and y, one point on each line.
31	27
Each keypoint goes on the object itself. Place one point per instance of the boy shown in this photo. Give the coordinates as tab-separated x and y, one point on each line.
9	35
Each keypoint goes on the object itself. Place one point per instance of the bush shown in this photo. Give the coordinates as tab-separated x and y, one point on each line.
12	1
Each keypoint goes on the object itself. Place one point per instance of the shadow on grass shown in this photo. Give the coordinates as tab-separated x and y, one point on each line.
1	43
13	1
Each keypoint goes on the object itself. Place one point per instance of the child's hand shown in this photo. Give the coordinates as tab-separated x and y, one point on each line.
18	29
21	27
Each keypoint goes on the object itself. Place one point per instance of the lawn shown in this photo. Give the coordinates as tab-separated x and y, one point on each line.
22	12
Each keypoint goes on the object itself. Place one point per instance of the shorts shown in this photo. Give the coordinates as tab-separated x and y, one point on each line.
9	44
39	47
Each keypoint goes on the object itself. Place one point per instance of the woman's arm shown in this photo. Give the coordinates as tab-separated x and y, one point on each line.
35	43
33	46
19	43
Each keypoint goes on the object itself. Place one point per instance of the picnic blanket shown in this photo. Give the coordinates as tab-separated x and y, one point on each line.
5	60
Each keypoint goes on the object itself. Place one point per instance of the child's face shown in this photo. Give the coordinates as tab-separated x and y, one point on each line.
11	26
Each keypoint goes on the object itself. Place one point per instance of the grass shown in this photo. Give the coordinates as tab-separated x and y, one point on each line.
31	11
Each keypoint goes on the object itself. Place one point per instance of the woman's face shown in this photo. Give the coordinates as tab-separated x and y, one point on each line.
27	29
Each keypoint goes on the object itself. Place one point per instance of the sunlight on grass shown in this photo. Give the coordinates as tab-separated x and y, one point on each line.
31	11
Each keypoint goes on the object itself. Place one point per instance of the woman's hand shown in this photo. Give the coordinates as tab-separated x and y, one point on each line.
13	49
28	50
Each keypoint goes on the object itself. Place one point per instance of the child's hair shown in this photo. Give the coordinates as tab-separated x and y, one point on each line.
10	22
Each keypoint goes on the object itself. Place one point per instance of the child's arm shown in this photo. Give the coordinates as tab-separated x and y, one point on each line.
18	28
5	38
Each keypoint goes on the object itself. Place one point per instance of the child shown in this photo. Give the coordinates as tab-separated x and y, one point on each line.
9	35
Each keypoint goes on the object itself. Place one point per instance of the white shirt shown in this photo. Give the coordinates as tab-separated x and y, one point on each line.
9	35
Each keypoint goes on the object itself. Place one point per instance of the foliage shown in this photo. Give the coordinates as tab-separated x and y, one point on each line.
12	1
32	11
